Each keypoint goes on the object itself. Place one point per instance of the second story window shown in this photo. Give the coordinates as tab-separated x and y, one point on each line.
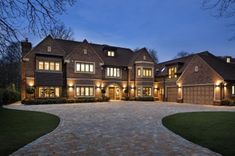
147	72
84	67
110	53
138	72
113	72
172	72
48	66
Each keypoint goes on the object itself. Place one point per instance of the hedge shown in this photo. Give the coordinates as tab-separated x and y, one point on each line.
63	100
8	96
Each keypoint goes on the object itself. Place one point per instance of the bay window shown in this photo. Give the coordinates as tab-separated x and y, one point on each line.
147	72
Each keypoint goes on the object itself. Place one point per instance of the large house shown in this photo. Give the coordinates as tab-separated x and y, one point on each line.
64	68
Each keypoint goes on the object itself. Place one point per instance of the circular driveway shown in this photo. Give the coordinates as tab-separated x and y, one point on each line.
114	128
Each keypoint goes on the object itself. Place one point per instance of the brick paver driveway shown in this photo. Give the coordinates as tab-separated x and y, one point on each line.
114	128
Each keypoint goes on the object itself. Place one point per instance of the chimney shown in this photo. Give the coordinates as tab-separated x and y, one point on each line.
26	46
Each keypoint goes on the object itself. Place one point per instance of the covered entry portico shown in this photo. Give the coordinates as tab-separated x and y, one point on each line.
114	92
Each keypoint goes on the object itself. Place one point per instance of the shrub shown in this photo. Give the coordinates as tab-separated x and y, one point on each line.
227	103
144	98
30	90
8	96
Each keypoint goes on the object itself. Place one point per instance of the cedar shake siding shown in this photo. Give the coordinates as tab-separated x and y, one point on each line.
70	69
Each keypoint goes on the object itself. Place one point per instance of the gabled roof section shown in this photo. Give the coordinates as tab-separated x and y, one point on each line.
138	53
225	70
181	62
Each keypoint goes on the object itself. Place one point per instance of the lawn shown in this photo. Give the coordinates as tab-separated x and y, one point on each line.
214	130
18	128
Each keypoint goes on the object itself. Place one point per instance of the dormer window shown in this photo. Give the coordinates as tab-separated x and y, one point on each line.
110	53
49	49
228	60
172	72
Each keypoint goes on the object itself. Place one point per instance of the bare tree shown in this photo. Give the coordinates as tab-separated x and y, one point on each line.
223	9
33	16
61	32
182	54
153	54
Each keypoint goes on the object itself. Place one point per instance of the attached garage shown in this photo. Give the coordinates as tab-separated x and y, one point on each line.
198	94
172	93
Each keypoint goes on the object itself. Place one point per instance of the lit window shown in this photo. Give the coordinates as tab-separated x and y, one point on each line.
138	71
147	72
111	53
85	91
49	92
228	59
52	65
46	67
172	72
40	65
233	89
138	91
84	67
57	66
112	72
147	91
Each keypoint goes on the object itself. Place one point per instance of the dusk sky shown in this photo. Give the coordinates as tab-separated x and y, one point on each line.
164	25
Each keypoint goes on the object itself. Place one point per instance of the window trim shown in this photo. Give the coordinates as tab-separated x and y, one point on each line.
49	65
111	53
84	62
112	77
141	90
60	92
142	72
83	85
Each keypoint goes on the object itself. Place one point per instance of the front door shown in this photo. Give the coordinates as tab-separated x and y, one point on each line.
112	93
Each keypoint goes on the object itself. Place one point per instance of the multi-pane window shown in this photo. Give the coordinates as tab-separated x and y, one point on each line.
233	89
147	72
112	72
49	92
84	67
48	65
138	91
139	72
172	72
111	53
147	91
85	91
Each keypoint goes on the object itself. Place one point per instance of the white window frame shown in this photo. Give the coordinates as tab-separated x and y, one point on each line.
110	53
85	65
111	72
90	86
142	71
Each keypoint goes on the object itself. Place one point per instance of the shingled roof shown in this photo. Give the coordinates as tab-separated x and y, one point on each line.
122	55
224	69
183	62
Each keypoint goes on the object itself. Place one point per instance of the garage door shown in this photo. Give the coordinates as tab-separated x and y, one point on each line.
172	94
198	94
